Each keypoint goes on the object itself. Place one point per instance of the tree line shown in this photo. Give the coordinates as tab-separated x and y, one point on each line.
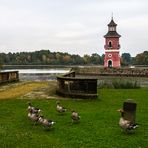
46	57
139	59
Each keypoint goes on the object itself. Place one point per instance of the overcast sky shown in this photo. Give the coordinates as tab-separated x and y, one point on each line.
73	26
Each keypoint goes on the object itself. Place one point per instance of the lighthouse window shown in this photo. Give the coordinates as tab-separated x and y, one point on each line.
110	55
111	29
110	44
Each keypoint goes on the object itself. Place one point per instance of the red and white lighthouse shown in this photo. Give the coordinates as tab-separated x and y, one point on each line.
112	46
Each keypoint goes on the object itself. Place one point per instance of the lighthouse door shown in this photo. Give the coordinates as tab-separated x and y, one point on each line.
109	63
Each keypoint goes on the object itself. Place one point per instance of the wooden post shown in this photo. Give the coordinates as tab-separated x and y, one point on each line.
129	108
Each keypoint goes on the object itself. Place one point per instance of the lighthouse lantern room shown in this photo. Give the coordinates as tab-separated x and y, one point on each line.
112	46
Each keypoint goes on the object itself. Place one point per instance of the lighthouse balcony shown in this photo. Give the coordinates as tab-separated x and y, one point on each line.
111	47
108	47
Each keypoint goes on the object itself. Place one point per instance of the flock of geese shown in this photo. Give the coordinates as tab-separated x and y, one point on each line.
34	115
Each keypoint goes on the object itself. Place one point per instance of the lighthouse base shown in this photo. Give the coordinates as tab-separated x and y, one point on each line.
112	60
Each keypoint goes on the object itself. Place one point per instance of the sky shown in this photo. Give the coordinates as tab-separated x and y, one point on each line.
73	26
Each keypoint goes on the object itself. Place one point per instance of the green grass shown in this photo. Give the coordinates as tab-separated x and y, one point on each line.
98	127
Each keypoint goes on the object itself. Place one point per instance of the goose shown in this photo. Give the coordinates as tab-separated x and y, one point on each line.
46	122
60	109
75	116
126	124
32	109
33	117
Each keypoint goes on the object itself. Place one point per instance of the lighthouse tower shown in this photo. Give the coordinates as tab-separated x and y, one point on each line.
112	46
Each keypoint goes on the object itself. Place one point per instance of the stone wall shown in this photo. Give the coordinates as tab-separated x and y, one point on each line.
10	76
69	85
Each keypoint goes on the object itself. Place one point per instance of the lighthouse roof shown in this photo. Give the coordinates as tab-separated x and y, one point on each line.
112	34
112	23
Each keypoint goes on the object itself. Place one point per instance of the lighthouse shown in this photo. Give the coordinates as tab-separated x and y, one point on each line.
112	46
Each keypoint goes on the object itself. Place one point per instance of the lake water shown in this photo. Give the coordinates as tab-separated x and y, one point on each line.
40	74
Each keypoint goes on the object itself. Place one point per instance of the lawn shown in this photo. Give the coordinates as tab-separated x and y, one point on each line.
98	127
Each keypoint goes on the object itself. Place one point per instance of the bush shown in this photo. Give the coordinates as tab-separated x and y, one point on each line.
119	84
105	84
125	84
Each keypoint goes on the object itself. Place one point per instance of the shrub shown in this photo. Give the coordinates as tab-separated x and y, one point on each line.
125	84
119	84
105	84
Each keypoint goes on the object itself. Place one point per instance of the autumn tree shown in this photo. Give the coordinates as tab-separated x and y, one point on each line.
87	59
141	59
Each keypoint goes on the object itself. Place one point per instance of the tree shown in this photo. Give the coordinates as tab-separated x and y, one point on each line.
102	59
60	58
76	59
87	59
141	59
66	59
95	58
1	65
126	59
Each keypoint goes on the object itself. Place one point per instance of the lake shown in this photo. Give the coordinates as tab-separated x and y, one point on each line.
39	74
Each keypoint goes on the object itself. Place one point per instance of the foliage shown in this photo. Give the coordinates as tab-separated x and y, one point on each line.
119	84
98	126
126	59
1	65
141	59
45	57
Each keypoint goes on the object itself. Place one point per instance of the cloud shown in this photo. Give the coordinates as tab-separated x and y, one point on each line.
69	25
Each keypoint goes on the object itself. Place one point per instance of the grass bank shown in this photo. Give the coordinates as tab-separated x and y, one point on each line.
98	127
14	90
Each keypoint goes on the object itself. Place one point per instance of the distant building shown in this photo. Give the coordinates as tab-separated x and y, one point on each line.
112	46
